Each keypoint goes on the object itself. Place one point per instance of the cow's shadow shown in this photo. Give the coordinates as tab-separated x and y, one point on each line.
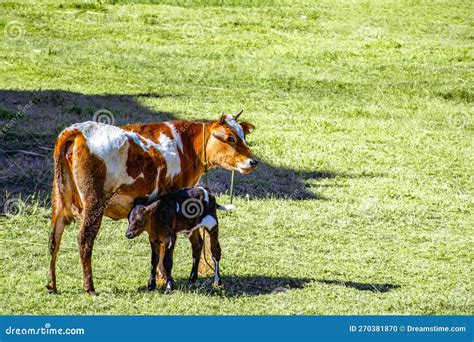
235	286
254	285
31	120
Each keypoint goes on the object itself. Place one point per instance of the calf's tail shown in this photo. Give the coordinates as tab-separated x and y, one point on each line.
226	207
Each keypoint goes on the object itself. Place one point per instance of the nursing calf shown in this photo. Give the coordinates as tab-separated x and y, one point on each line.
178	212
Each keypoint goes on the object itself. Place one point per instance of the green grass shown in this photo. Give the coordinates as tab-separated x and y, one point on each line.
364	116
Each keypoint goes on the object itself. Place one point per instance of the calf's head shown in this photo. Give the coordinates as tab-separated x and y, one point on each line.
139	218
227	147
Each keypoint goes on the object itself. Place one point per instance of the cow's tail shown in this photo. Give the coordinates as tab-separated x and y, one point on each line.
63	183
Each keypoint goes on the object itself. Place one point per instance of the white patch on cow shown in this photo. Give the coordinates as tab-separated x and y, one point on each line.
154	195
206	194
208	222
232	123
110	144
168	149
136	140
176	135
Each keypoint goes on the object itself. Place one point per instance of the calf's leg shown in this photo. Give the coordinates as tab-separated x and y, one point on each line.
196	245
168	262
155	256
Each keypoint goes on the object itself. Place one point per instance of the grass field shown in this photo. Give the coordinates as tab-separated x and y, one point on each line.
364	115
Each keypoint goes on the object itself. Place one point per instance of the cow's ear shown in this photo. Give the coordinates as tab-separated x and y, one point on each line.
152	207
222	119
219	135
247	127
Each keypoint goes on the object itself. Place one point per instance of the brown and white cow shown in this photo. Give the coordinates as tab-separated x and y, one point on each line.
101	169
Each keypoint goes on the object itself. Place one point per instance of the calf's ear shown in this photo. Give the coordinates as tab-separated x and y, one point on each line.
246	127
152	207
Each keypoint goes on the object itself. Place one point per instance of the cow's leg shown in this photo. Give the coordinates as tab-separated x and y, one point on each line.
155	254
168	262
93	213
196	245
61	217
90	174
58	223
216	254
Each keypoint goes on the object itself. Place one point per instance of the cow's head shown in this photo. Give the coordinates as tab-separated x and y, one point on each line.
226	146
139	217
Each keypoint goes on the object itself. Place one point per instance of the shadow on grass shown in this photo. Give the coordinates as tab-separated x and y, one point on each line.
236	286
361	286
31	121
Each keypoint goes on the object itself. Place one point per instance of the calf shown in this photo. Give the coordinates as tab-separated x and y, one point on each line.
178	212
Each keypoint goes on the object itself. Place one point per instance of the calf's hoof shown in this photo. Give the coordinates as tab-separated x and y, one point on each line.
151	284
217	283
168	291
92	293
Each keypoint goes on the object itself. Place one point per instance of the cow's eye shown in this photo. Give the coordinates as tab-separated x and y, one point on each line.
231	139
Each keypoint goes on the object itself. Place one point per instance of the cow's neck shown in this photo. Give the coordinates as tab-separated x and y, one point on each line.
195	153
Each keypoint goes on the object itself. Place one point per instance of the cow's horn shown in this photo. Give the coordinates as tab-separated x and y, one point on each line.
238	114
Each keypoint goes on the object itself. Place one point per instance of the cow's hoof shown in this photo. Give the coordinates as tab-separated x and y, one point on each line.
52	289
151	288
168	291
92	293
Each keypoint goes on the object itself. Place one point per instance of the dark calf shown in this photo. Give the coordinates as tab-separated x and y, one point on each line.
178	212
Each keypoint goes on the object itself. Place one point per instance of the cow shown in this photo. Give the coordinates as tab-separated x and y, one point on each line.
181	211
101	169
